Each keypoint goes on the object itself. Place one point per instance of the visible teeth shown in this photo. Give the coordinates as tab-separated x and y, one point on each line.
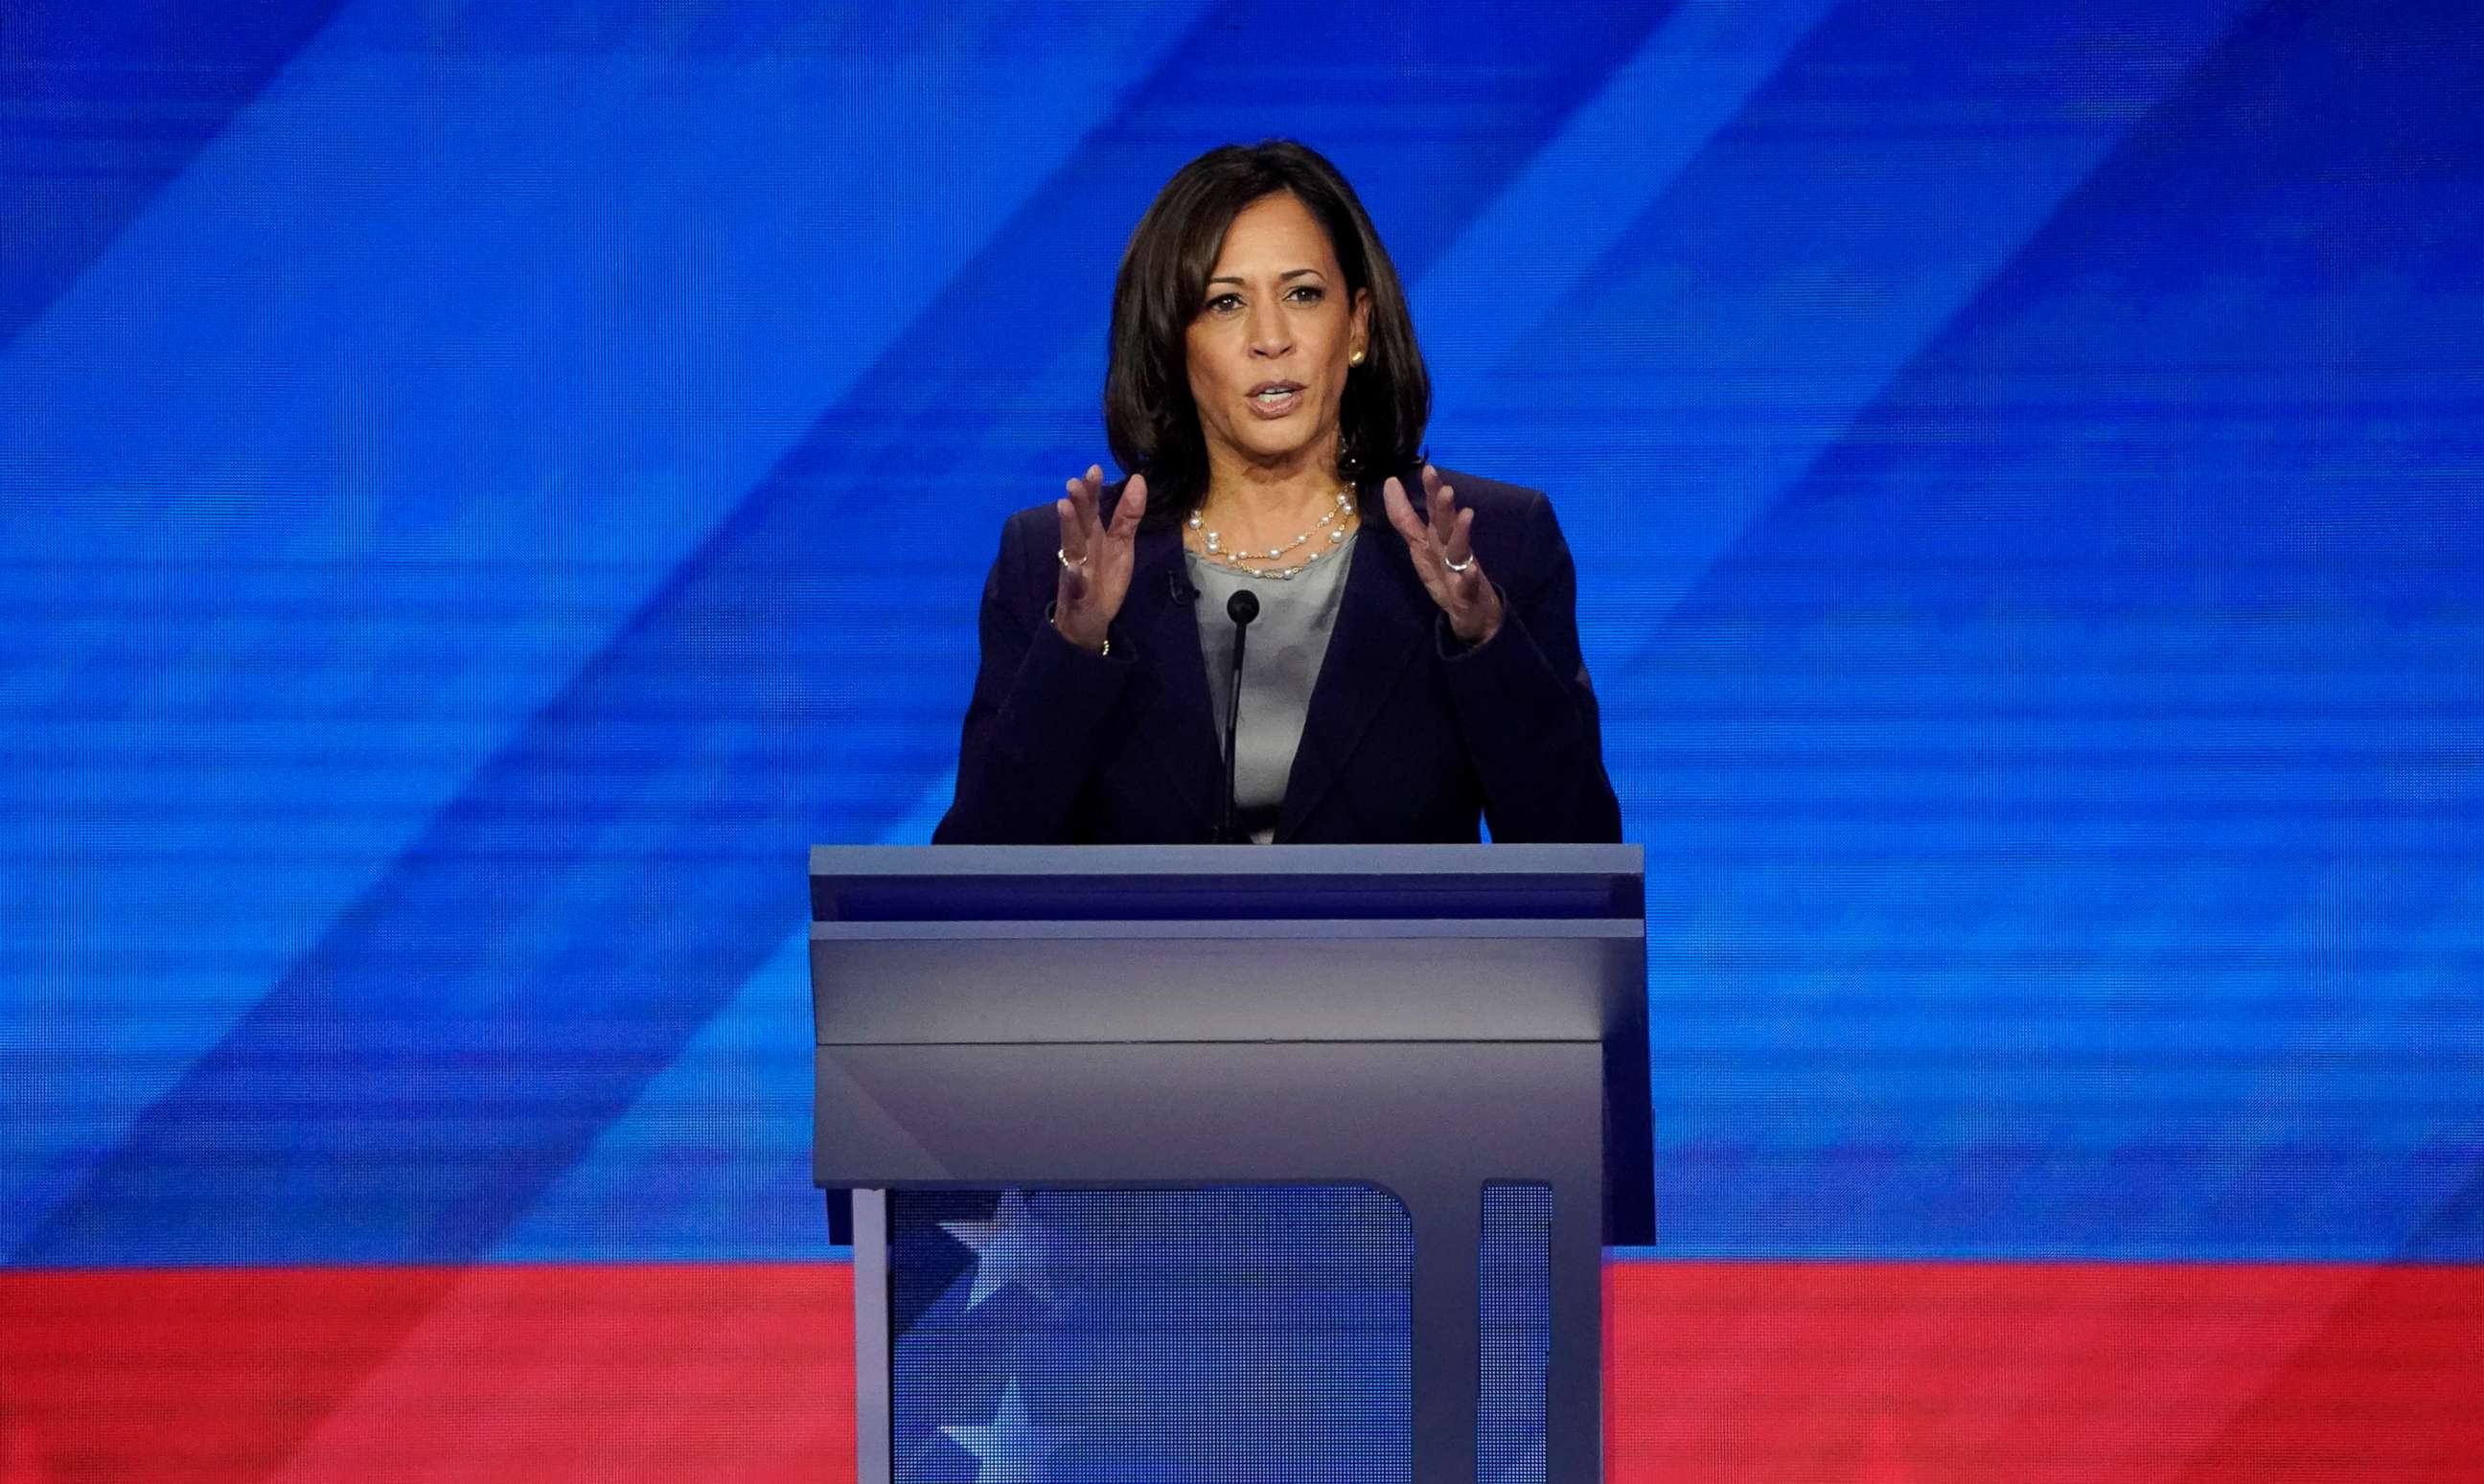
1276	394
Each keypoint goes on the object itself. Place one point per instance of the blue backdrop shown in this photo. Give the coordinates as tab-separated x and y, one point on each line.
483	486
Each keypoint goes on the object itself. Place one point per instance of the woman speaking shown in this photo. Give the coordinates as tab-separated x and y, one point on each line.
1399	682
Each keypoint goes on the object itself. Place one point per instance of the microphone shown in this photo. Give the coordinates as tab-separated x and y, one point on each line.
1241	607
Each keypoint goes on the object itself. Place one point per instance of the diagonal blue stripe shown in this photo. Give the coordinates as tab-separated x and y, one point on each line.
2092	711
1487	300
101	102
1818	241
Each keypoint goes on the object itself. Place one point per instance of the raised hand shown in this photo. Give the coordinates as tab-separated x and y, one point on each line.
1095	557
1444	558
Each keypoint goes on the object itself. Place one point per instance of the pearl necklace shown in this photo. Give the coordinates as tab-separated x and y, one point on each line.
1330	520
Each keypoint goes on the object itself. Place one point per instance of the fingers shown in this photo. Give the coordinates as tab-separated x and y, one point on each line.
1084	491
1442	499
1401	515
1447	542
1132	508
1095	553
1452	530
1073	527
1458	550
1080	526
1074	546
1082	510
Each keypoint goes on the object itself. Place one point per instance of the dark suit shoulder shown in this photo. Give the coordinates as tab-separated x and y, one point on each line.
1029	527
1024	576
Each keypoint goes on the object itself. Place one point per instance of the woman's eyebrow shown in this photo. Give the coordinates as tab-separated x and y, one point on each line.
1290	273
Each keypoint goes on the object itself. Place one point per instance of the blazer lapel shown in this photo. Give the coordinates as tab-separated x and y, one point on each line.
1382	623
1178	725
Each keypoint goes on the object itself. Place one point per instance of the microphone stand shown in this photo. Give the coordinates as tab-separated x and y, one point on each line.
1241	607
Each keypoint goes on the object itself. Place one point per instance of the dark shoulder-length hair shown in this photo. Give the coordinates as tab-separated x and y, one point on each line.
1149	419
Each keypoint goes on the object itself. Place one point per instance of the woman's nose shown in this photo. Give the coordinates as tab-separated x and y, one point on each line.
1268	333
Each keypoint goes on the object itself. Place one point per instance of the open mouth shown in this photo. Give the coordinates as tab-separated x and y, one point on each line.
1276	397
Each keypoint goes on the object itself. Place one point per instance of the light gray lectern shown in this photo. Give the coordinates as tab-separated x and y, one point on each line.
1426	1019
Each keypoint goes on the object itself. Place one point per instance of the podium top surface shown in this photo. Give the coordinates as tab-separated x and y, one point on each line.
1084	992
999	882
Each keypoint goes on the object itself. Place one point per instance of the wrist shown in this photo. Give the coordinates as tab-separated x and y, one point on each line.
1099	644
1483	632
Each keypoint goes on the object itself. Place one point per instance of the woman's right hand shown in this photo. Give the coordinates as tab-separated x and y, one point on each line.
1095	557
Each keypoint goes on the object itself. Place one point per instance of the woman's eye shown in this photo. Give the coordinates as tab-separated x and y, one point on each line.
1307	293
1224	304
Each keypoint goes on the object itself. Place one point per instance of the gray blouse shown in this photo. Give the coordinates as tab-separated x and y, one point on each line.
1281	663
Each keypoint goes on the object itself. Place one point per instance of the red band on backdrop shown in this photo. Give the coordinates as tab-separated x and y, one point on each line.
1874	1373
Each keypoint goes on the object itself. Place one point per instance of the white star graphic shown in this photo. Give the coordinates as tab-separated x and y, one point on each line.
1008	1450
1009	1248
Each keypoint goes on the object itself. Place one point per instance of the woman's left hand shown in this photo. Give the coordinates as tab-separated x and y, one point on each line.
1444	558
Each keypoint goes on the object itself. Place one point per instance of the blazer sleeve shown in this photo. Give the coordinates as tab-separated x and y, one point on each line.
1039	708
1524	704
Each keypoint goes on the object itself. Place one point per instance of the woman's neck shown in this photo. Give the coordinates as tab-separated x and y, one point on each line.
1255	504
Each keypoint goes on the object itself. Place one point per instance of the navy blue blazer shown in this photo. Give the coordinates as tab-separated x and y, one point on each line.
1411	736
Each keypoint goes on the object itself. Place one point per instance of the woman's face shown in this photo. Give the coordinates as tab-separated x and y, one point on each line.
1268	349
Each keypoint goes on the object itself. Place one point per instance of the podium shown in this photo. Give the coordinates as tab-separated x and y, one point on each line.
1423	1019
